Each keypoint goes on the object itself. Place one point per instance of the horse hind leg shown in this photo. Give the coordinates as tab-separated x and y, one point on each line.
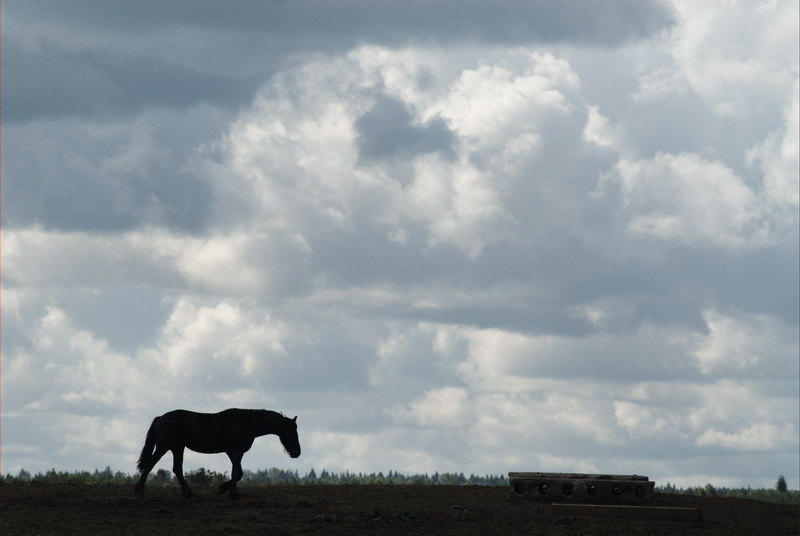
177	469
149	464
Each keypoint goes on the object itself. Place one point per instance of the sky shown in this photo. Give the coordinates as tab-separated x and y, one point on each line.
454	236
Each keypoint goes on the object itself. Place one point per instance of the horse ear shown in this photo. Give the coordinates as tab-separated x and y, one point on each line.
295	418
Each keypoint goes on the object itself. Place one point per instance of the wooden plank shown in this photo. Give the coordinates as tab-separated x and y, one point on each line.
582	476
629	512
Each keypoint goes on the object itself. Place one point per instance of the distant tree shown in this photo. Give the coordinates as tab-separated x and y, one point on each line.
780	485
161	477
204	477
198	477
274	474
104	476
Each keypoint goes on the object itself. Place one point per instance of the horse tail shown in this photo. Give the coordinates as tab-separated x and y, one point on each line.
149	446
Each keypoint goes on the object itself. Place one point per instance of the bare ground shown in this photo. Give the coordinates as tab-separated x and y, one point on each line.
352	509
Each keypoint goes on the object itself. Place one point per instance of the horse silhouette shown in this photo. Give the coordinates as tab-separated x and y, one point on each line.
231	431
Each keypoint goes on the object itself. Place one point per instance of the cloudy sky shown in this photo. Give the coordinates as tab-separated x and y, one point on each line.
449	236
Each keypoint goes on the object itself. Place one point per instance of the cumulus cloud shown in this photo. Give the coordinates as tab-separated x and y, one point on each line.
444	407
756	437
85	376
242	263
598	130
209	343
687	198
479	132
737	62
777	158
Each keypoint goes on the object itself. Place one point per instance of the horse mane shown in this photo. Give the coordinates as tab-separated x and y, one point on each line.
269	412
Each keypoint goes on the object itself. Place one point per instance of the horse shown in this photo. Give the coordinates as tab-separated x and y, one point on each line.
231	431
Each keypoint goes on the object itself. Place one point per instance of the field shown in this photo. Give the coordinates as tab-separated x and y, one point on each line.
51	509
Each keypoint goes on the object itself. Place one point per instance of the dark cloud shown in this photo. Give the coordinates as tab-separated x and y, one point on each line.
387	129
125	317
69	200
78	175
53	82
116	57
316	24
328	363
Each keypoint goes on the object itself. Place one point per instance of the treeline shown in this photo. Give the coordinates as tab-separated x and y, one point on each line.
279	476
275	476
262	477
779	494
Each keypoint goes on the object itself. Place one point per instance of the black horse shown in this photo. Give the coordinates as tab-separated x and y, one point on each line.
231	431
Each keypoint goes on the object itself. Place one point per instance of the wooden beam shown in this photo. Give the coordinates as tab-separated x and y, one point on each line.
580	476
629	512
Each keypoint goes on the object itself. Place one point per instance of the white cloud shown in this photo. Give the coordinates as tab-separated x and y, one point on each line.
726	406
690	199
737	344
457	203
491	106
574	419
734	57
598	130
495	360
239	263
777	158
290	163
386	450
52	258
729	343
404	356
220	344
761	436
82	372
640	423
443	407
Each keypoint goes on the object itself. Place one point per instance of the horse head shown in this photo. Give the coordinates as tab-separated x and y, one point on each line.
288	436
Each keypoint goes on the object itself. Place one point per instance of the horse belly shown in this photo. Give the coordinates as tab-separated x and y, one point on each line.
206	448
220	441
209	444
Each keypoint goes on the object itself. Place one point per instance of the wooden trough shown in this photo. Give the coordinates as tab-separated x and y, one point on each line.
583	488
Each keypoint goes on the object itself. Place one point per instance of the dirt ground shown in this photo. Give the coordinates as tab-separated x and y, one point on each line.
359	510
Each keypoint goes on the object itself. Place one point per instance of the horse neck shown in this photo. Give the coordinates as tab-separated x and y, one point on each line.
265	422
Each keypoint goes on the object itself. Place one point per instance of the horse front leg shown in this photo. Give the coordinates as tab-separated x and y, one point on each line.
236	475
177	469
